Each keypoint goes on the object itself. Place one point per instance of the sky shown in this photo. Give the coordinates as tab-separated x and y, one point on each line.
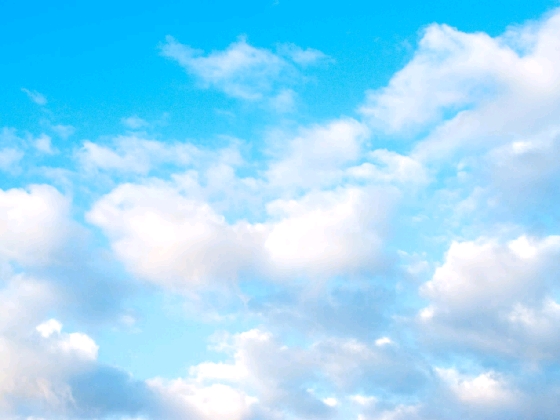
279	210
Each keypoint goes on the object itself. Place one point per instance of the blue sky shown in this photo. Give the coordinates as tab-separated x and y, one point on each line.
275	210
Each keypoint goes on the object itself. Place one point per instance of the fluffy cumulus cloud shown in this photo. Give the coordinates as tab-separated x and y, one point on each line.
265	379
167	238
498	297
397	263
37	359
34	224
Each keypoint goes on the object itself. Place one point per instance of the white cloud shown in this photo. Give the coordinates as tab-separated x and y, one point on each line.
259	364
363	400
74	343
474	91
383	341
485	389
450	69
317	155
272	377
328	233
390	167
134	122
37	362
284	101
300	56
241	70
214	402
165	237
497	297
34	224
48	328
43	144
400	412
35	96
134	154
9	158
319	207
61	130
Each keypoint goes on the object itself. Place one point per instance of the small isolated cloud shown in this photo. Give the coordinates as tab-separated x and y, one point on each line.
303	57
43	144
243	71
133	154
134	122
283	102
35	96
63	131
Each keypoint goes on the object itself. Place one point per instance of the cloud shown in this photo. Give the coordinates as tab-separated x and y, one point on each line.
316	156
303	57
390	167
34	224
61	130
305	231
75	343
168	238
171	239
35	96
243	71
133	154
331	232
53	374
488	293
43	144
9	158
485	389
460	88
284	101
218	402
134	122
36	363
265	379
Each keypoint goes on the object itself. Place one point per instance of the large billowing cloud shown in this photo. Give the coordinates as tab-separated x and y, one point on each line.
167	238
172	233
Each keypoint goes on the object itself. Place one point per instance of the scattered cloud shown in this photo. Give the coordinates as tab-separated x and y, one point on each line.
133	154
9	158
61	130
43	144
134	122
243	71
35	96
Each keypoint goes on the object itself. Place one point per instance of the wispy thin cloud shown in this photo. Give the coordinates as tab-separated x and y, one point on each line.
35	96
242	70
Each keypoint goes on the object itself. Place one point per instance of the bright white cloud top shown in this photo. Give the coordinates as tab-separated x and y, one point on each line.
397	263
